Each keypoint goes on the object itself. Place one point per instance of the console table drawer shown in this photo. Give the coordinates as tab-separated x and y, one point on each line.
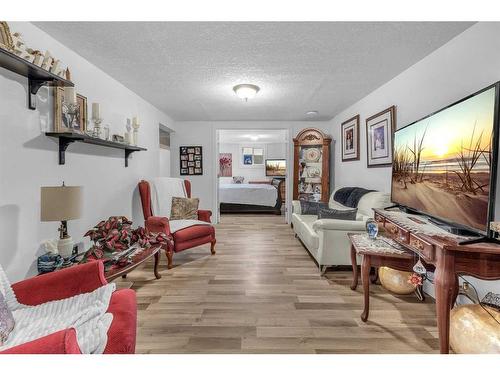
379	218
397	232
391	228
424	249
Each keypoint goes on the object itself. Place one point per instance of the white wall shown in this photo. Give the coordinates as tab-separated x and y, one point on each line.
29	159
252	172
164	162
464	65
203	133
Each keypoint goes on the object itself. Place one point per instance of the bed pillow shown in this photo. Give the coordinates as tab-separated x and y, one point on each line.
6	320
238	179
311	208
331	213
184	208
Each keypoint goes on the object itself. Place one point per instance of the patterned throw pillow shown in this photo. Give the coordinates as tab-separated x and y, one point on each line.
330	213
184	208
6	320
311	208
238	179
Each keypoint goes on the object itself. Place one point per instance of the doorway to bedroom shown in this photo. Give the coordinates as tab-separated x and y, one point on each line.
252	172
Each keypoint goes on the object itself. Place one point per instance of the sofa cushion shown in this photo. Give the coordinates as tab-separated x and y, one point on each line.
311	208
184	208
6	320
331	213
190	233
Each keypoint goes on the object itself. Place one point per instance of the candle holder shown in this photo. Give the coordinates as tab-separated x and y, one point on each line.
135	135
97	127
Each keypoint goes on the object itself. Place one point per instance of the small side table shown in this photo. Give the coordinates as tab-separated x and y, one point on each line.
376	253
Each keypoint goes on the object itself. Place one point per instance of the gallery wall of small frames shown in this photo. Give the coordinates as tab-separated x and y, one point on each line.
191	160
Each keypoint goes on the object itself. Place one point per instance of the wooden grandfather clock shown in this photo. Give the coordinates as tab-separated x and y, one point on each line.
311	169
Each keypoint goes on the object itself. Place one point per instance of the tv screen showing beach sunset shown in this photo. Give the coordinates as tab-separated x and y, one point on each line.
442	163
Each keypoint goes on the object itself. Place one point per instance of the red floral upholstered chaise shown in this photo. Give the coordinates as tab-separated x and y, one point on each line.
182	239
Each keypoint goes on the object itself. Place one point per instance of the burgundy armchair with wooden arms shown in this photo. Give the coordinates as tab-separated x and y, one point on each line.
182	239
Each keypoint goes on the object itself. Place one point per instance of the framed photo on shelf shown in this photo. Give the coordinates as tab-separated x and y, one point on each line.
350	139
62	119
191	160
379	135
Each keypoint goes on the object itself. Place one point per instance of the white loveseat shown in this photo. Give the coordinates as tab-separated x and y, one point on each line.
327	239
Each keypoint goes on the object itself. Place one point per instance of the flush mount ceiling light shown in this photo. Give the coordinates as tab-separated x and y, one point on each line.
246	91
312	113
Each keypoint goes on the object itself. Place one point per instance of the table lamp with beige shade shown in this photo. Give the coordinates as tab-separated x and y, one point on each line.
61	203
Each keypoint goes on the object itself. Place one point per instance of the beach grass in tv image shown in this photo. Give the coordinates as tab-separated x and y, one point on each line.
442	163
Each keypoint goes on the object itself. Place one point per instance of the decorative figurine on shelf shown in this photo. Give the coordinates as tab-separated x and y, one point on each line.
47	61
135	125
128	133
19	47
106	132
97	120
38	58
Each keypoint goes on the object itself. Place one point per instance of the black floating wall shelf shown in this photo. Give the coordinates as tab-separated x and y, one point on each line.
66	138
37	77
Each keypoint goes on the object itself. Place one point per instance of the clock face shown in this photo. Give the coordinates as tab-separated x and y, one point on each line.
312	155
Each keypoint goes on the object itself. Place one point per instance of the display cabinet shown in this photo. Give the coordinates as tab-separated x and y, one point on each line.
311	169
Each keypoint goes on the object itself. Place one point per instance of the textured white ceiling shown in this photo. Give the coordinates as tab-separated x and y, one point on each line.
252	135
188	69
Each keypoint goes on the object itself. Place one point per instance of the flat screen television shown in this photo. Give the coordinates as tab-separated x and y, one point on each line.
444	164
276	167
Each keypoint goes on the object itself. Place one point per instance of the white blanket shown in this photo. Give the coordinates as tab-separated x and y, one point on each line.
163	189
256	194
84	312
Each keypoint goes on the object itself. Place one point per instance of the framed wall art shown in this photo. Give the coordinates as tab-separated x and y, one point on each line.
63	121
191	160
225	164
379	134
350	139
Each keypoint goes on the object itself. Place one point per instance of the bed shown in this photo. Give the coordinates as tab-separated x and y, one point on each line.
250	198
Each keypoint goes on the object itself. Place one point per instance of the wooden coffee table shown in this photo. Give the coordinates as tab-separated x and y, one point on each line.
138	259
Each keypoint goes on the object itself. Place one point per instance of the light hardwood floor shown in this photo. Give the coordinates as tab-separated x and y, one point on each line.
262	293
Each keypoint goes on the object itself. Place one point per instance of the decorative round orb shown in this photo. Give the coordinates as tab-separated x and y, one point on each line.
395	281
474	331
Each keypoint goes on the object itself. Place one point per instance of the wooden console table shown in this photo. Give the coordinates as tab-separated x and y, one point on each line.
441	250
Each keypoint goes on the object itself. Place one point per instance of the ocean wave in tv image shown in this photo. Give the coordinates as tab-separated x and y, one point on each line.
442	163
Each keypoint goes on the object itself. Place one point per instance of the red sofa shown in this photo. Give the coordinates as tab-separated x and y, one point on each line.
67	283
183	239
